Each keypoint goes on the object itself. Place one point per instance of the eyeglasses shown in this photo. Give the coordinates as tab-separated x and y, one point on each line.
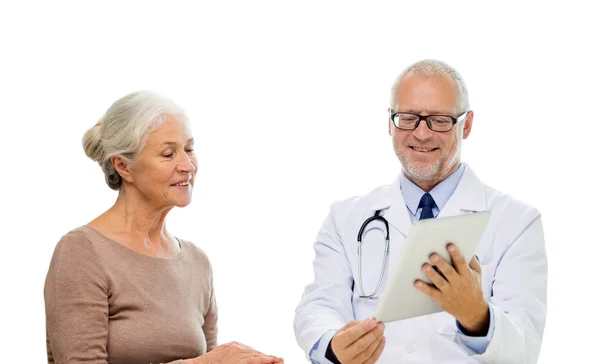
441	123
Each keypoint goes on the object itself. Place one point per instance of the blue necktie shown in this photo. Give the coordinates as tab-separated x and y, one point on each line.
427	204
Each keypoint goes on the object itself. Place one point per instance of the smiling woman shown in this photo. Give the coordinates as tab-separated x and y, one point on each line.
122	288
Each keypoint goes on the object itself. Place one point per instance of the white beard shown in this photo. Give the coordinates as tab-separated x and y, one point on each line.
432	172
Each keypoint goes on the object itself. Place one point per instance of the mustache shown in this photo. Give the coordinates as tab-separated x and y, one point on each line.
418	144
422	146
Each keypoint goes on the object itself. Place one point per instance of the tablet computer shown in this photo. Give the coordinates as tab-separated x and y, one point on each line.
400	298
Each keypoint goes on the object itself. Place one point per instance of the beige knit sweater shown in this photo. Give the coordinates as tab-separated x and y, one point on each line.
106	303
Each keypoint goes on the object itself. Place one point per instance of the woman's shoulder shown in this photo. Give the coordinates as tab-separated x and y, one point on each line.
194	251
75	241
75	256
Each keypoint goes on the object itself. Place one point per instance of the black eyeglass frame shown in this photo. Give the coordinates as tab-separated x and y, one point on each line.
455	120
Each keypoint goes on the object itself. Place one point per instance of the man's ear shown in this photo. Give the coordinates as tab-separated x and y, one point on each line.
468	125
122	168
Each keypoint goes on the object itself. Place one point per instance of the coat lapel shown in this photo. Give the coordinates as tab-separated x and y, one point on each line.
393	207
468	197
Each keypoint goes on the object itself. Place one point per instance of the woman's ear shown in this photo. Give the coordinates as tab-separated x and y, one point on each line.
122	168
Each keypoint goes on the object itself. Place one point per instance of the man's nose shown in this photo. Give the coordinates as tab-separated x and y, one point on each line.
422	132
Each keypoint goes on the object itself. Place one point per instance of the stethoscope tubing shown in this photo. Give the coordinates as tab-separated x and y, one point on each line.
361	231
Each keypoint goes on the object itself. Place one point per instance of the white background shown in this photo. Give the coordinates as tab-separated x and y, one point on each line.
288	106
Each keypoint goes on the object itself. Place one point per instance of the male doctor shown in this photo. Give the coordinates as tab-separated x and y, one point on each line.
494	306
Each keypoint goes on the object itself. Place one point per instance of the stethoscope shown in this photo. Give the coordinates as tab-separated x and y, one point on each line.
385	254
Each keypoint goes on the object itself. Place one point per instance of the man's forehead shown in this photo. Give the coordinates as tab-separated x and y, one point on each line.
430	93
426	111
413	79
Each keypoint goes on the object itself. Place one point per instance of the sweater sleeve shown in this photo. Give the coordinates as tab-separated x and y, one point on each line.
76	299
210	319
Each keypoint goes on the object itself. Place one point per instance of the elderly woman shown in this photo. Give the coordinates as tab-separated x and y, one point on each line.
123	289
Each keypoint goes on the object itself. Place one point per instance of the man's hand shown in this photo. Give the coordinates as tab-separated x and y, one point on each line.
359	342
457	290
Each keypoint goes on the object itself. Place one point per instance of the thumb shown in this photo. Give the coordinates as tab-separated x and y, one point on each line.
474	264
349	325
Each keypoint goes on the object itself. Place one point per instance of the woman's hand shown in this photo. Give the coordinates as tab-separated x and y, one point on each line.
234	352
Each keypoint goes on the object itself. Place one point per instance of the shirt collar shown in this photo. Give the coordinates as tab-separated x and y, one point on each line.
441	193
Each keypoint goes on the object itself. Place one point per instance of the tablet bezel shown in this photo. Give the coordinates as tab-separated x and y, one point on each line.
400	298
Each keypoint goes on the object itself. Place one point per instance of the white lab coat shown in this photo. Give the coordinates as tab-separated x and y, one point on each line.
514	277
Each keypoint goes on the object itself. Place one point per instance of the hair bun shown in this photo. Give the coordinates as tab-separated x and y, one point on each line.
92	142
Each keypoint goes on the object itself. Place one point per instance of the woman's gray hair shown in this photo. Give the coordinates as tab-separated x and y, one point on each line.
433	67
123	130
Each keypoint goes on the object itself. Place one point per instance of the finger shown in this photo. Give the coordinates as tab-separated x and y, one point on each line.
427	289
440	282
352	334
365	341
458	260
366	354
271	359
474	264
261	360
276	359
444	267
349	325
375	356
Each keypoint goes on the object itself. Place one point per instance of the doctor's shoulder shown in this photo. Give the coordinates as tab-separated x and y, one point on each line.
357	205
509	213
509	205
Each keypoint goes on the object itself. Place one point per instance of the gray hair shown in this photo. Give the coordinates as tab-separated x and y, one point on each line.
433	67
124	128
